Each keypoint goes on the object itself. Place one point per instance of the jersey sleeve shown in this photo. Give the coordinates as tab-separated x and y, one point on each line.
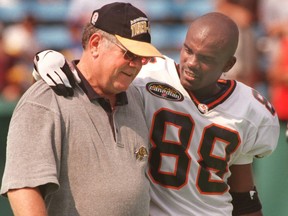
263	133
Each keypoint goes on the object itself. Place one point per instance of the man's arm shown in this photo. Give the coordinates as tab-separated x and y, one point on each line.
27	201
245	197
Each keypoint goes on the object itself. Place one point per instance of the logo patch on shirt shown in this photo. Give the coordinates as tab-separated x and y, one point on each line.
164	91
141	153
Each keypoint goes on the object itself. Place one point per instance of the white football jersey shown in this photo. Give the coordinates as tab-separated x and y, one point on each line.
193	144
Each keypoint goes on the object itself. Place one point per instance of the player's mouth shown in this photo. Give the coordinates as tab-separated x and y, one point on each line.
191	74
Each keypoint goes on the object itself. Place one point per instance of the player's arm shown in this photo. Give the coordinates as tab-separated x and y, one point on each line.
242	188
52	67
27	201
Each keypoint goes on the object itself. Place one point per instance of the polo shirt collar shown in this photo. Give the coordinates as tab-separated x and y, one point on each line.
121	98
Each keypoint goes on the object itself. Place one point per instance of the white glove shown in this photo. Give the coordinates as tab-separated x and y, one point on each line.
53	68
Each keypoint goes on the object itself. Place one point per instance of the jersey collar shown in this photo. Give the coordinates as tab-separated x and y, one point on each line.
228	87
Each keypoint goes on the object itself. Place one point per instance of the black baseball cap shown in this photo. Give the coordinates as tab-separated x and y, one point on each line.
130	26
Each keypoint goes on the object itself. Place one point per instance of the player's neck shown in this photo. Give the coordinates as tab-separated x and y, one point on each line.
209	93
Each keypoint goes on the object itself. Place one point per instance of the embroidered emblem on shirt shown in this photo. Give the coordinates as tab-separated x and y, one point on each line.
164	91
141	153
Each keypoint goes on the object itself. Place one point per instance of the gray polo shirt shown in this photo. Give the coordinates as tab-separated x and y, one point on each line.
67	146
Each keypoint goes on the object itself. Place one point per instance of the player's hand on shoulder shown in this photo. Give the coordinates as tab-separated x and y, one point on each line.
52	67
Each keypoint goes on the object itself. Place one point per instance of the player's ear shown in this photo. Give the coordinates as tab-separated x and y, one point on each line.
230	64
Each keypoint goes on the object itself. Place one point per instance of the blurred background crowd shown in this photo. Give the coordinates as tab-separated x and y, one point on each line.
29	26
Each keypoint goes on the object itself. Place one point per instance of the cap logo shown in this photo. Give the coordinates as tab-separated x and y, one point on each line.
139	26
94	18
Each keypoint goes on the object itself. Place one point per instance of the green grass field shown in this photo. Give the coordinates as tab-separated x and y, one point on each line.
272	179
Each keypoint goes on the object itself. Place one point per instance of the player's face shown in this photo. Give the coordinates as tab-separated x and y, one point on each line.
202	61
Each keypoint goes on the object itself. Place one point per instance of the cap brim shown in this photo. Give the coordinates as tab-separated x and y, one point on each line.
139	48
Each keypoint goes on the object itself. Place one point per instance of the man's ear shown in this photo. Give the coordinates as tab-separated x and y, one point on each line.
230	64
94	42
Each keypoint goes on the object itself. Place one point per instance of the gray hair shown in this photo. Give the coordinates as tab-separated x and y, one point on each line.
89	30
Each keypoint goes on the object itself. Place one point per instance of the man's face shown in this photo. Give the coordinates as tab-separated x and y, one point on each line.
203	59
115	73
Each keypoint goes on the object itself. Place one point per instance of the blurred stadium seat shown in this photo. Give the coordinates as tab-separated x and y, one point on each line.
169	35
50	11
177	9
12	13
53	36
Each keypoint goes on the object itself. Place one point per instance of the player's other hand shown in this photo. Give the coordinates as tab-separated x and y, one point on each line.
52	67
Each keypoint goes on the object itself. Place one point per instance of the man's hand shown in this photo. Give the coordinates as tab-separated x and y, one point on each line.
52	67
